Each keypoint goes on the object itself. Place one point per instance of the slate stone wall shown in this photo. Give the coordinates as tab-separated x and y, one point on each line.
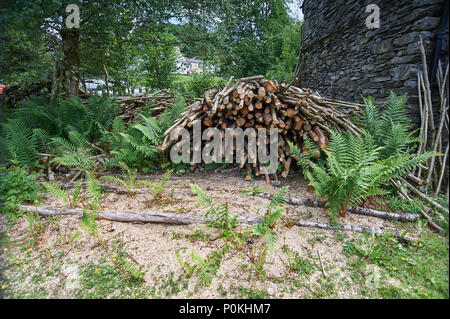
344	59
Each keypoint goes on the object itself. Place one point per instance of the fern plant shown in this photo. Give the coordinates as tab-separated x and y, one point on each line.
358	167
17	143
388	126
157	188
94	190
129	180
55	190
274	212
355	170
220	214
35	124
137	144
74	153
206	268
89	221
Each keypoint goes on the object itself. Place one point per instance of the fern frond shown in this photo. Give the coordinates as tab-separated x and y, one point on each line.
94	190
57	191
76	192
88	222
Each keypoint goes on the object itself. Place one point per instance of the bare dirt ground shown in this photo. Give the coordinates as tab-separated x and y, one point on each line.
58	263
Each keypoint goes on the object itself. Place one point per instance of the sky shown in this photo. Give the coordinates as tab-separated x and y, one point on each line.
294	8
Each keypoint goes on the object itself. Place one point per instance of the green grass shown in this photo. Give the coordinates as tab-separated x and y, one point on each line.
421	268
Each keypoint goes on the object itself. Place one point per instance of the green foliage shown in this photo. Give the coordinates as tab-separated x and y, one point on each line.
388	126
195	85
76	192
283	69
74	153
67	127
273	213
17	143
94	190
220	214
421	266
357	168
354	170
159	61
206	268
128	182
23	56
137	144
57	191
88	222
35	226
254	191
157	188
303	159
90	120
187	267
405	206
122	279
298	264
18	186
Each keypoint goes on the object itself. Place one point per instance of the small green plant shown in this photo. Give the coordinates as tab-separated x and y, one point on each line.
35	226
157	188
56	190
94	190
187	267
219	212
18	186
273	213
259	262
207	267
74	237
254	191
88	222
297	264
129	180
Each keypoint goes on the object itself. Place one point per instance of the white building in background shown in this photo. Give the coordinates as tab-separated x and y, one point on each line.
188	66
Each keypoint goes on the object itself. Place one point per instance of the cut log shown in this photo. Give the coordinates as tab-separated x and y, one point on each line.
354	210
187	219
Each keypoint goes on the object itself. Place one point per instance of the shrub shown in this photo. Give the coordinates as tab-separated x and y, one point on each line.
18	186
358	167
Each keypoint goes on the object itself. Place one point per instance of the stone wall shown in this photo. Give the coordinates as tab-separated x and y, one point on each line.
344	59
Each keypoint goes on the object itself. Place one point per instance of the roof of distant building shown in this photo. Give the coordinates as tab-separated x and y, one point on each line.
194	60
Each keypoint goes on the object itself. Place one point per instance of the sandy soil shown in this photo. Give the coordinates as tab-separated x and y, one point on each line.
153	246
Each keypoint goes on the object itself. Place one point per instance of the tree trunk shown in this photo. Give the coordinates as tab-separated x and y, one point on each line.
71	63
106	77
54	82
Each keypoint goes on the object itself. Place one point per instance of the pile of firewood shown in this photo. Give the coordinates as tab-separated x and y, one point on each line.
255	102
15	92
159	101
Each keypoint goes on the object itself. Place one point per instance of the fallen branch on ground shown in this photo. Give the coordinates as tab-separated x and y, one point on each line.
186	219
354	210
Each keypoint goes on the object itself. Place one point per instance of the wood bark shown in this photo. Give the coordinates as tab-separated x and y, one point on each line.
186	219
71	63
354	210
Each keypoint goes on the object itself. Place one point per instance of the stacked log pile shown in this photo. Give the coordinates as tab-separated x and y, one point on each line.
15	92
256	102
159	101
